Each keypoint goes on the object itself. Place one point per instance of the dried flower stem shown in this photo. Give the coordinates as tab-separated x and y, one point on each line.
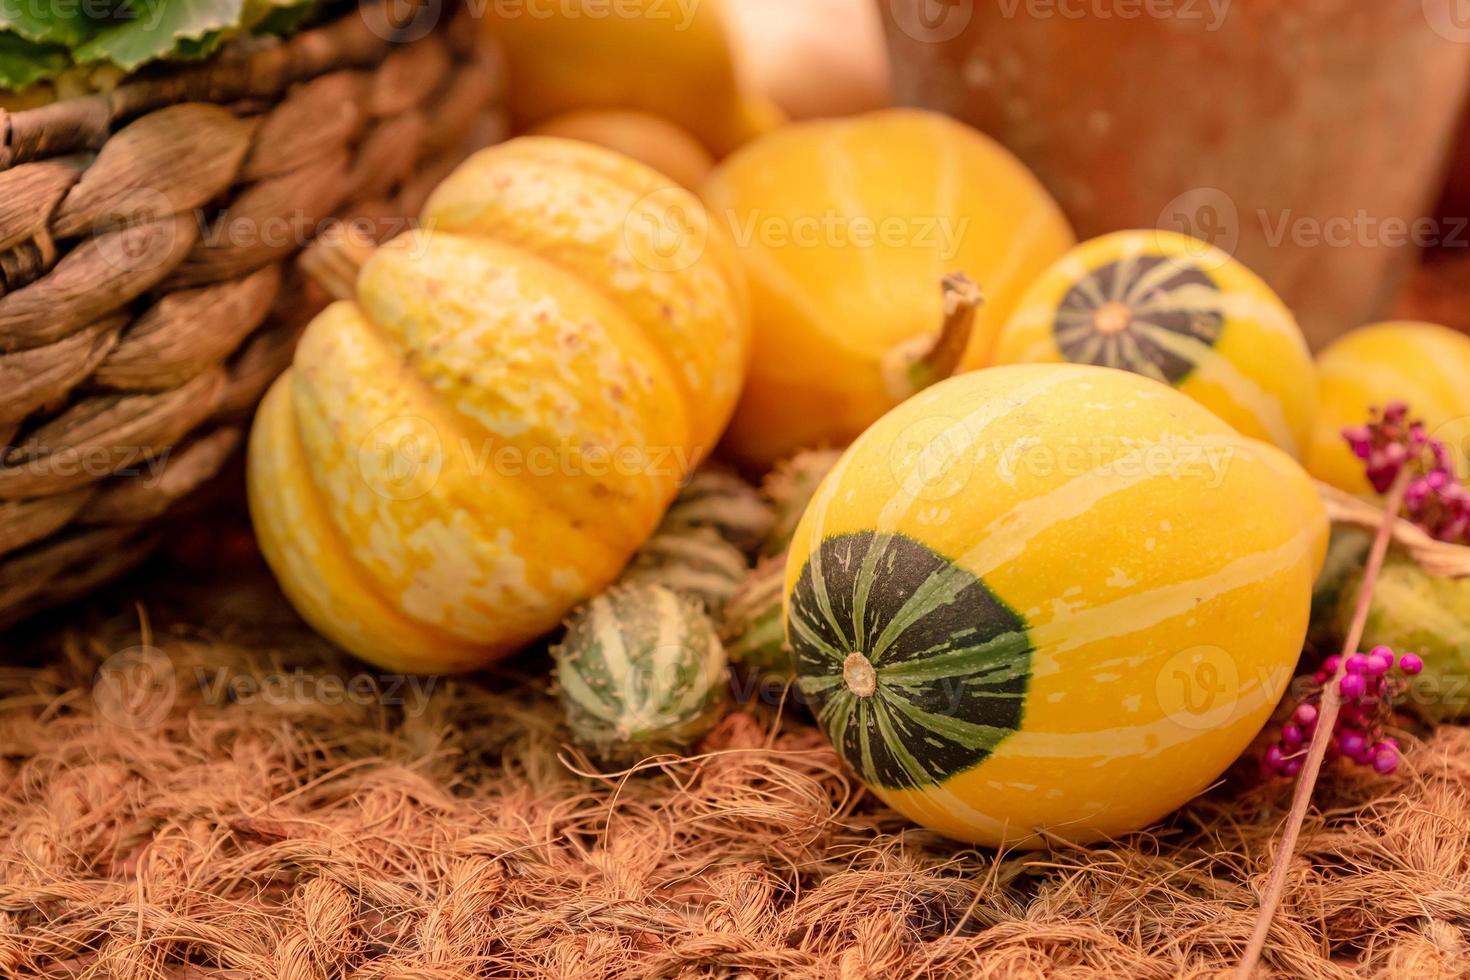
1327	719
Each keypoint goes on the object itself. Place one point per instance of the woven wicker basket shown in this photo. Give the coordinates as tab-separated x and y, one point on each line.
148	291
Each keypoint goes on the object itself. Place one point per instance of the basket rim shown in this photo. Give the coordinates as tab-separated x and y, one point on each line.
358	37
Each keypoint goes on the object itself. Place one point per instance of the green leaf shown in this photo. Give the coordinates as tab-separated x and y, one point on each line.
23	64
61	22
285	19
157	29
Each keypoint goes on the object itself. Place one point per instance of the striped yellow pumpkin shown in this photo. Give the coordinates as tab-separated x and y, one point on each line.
493	418
1179	311
1423	365
1050	597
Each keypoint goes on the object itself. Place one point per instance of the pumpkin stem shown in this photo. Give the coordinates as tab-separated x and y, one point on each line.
334	260
859	675
920	362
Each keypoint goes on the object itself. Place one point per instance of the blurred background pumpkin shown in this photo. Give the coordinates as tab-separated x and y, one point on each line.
1260	126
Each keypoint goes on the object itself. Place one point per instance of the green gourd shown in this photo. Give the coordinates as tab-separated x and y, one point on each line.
696	562
1414	612
753	630
717	498
640	671
789	487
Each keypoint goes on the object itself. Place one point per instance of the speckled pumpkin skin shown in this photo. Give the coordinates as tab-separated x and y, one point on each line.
1424	365
846	227
1201	322
484	437
1081	593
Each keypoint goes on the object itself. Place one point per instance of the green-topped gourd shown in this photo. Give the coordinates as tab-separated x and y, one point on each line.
753	631
717	498
789	487
1050	599
640	671
1172	308
696	562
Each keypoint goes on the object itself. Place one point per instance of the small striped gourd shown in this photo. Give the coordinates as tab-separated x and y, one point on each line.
753	630
1424	365
640	670
1182	312
1050	597
789	488
697	563
716	497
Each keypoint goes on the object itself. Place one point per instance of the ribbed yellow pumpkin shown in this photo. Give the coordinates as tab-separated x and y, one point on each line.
487	428
1182	312
1424	365
673	59
846	228
1054	598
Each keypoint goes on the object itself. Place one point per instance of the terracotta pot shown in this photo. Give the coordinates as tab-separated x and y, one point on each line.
1455	205
1307	137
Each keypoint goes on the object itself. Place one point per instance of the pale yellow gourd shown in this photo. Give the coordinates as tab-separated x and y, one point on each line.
492	420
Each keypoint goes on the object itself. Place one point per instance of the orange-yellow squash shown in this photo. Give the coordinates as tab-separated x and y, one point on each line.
846	228
672	58
641	135
1180	311
1424	365
1050	597
492	421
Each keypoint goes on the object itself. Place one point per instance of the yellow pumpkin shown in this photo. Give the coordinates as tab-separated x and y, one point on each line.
1182	312
640	135
491	421
671	59
1052	598
1424	365
846	228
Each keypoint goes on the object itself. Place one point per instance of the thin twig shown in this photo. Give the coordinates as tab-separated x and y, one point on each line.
1326	719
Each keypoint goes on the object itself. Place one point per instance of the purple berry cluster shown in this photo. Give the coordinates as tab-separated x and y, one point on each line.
1367	687
1435	498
